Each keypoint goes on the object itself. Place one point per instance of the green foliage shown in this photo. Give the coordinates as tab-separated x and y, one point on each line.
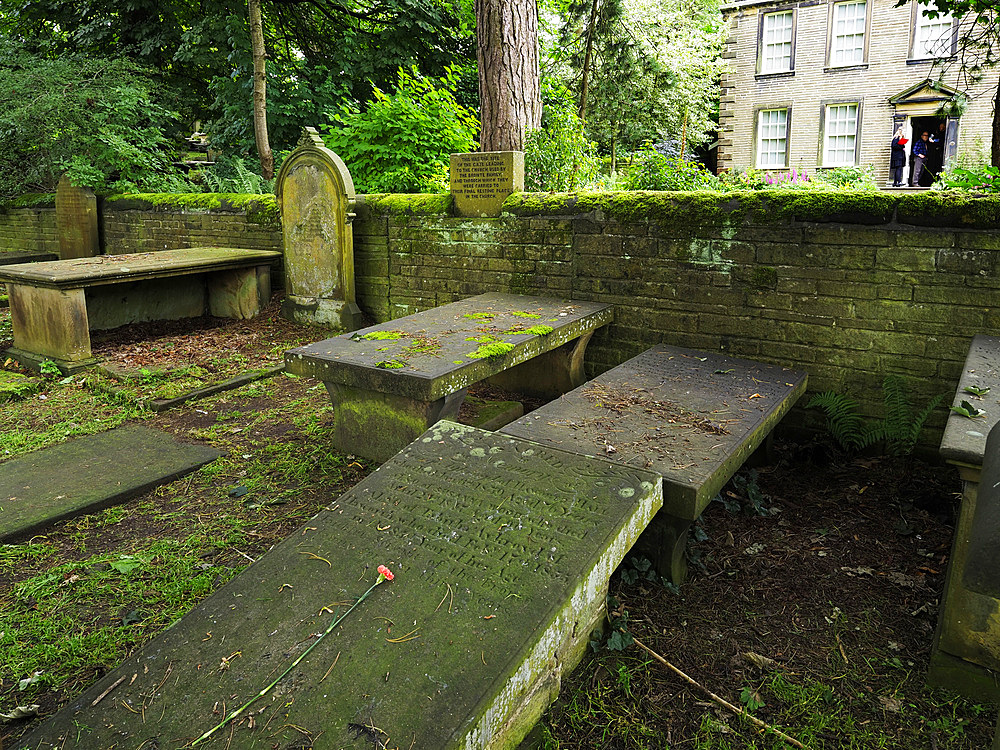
899	429
103	121
558	156
402	142
231	174
49	369
984	180
854	179
654	171
848	178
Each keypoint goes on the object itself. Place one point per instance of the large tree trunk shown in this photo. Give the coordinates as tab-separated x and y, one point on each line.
260	92
507	52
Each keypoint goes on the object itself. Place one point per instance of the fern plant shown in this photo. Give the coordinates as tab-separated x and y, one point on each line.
899	429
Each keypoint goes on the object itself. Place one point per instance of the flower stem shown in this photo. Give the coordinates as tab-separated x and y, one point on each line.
336	621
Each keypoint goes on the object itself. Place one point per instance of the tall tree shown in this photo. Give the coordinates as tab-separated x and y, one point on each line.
260	92
509	88
318	51
979	49
642	69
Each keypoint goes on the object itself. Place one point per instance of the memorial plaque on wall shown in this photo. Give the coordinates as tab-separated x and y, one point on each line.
481	182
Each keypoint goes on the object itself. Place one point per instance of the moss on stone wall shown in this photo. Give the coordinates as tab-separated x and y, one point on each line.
420	204
30	200
260	209
708	209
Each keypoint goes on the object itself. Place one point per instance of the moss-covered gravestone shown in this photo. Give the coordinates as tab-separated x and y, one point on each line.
316	196
76	221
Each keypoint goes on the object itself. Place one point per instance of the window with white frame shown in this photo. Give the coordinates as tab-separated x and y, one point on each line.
772	138
931	36
847	39
776	42
840	135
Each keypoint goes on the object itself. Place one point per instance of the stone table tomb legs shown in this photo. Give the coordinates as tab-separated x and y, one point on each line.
50	324
378	425
548	375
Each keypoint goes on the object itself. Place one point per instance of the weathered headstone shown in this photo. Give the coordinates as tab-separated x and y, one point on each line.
89	473
481	182
316	196
76	221
501	551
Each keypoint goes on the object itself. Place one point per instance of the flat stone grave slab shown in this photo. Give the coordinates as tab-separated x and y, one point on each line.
964	439
501	550
115	269
89	473
390	382
694	417
55	304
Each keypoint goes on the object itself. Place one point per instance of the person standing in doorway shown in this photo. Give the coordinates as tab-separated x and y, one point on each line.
897	157
919	157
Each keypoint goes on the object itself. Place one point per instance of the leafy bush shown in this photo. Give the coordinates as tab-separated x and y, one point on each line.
558	157
984	180
402	142
655	171
848	178
102	121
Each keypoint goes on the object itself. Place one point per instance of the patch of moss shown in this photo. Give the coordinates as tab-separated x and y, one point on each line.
540	330
522	314
421	345
764	277
390	364
480	316
421	204
493	349
949	208
378	336
260	209
14	386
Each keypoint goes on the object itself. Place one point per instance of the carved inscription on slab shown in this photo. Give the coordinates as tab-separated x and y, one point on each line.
501	551
481	182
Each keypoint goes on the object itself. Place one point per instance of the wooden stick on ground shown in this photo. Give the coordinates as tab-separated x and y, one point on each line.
721	701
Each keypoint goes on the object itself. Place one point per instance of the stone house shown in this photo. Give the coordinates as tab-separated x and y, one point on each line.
816	84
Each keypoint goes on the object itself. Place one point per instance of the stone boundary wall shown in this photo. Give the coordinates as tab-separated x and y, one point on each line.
29	228
847	287
146	223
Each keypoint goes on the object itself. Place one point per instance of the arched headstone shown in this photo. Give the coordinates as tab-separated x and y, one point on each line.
316	196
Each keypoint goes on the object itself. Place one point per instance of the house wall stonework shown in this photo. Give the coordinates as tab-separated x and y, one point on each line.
812	84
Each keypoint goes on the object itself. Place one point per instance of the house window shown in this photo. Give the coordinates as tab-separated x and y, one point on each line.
847	40
840	135
932	37
776	42
772	138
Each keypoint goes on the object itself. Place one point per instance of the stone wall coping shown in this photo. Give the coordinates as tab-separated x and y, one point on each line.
112	269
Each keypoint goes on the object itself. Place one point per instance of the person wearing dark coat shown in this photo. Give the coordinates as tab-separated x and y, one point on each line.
897	159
